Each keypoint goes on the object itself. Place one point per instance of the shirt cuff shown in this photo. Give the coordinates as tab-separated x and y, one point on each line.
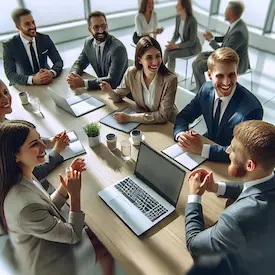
54	73
221	188
30	80
177	136
205	151
86	83
194	198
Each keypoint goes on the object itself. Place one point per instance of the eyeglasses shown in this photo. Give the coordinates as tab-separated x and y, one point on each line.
97	27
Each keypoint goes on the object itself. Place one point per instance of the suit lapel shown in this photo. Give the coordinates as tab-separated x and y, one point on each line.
209	111
139	89
159	82
39	48
231	108
185	26
104	54
24	55
93	57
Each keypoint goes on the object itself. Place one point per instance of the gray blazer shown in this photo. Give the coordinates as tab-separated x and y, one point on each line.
246	228
237	39
16	62
43	241
190	38
114	58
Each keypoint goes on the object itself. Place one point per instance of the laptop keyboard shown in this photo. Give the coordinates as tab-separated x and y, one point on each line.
142	200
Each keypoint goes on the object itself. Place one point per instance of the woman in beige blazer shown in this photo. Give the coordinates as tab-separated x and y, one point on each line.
44	243
152	85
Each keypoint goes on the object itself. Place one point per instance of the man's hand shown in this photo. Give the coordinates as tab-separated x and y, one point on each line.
75	80
211	185
208	36
105	86
62	141
43	77
171	46
122	117
191	142
159	30
196	185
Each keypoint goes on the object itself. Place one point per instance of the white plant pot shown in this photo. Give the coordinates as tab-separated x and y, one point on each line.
94	141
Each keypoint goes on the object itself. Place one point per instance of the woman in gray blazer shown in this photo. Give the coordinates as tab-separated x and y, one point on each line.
186	30
43	241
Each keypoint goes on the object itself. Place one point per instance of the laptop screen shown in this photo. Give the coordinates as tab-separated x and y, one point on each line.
159	173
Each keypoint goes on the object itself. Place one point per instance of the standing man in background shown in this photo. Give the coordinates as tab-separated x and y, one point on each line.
25	55
104	52
235	38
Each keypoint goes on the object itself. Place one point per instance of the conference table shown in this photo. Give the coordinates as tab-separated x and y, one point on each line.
162	250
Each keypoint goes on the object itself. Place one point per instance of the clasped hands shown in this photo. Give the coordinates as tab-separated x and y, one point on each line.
191	141
75	80
208	35
171	46
43	77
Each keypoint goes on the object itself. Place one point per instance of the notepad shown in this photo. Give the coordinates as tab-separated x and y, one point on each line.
187	159
74	149
124	127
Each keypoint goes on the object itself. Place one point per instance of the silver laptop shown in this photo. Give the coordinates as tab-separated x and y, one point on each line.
77	105
151	194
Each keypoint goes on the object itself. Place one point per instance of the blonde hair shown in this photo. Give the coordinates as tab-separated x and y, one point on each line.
258	140
225	55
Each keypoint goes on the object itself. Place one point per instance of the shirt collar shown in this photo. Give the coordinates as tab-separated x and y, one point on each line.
233	24
255	182
24	40
152	84
226	99
96	44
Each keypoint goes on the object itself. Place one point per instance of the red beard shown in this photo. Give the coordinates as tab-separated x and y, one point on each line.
236	170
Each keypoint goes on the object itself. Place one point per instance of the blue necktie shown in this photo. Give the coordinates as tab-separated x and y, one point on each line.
34	59
217	118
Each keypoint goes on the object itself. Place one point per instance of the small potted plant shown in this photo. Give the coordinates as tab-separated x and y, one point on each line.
92	130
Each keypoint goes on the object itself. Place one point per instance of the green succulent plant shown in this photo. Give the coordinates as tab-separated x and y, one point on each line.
92	129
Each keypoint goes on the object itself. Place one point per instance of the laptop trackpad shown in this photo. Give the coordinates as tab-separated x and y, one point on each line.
120	204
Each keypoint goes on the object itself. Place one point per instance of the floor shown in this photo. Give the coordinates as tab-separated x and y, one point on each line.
261	64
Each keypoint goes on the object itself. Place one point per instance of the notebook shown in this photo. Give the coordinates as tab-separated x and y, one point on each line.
74	149
187	159
124	127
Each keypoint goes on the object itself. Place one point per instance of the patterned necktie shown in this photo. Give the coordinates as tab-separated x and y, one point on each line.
34	59
217	118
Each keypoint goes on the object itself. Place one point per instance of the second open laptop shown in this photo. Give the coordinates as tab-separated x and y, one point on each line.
151	194
77	105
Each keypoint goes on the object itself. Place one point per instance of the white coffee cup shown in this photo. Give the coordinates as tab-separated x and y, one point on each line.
24	98
136	136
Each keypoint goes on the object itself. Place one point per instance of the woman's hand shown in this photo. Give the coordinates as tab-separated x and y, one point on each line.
72	183
105	86
78	164
121	117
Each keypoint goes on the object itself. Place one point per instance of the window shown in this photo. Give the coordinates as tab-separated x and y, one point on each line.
52	12
109	6
253	14
203	4
6	23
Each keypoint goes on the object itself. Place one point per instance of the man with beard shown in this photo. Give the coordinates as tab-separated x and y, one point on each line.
104	52
223	102
235	38
245	228
25	55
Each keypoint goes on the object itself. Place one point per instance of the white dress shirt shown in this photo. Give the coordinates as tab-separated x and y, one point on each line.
96	44
149	93
26	44
142	26
222	188
181	27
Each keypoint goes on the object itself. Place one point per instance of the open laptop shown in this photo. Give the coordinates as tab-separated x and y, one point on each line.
77	105
151	194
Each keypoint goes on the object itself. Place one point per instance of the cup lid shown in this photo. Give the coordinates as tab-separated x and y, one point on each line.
111	137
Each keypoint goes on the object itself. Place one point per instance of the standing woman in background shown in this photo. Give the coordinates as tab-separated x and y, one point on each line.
186	30
146	21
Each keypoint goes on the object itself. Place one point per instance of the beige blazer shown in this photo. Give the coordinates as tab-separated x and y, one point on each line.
163	107
44	243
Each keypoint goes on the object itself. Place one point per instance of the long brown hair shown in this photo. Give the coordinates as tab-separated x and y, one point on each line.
142	6
13	134
144	44
187	5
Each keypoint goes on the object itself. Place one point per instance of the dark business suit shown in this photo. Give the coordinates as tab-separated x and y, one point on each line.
16	62
242	106
237	39
114	62
245	228
189	45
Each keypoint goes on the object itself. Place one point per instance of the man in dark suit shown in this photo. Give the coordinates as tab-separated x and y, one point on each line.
245	228
236	38
223	103
25	55
104	52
